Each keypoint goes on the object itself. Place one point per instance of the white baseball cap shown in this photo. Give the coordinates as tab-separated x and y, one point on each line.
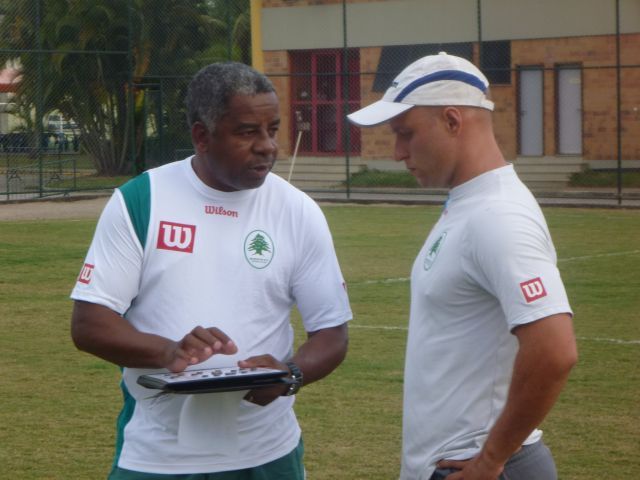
434	80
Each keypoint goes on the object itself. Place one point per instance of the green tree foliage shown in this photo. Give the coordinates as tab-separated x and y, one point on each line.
237	16
80	57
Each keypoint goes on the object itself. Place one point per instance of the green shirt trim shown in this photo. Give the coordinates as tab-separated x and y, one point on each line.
137	198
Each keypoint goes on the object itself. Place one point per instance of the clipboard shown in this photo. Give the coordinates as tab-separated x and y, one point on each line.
211	380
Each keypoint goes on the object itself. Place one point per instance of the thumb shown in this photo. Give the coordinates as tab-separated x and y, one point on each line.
455	464
259	361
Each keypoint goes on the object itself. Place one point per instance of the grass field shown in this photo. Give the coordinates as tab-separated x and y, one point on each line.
58	406
587	178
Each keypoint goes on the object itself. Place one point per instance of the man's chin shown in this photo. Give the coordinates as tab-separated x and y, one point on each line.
429	183
424	183
252	183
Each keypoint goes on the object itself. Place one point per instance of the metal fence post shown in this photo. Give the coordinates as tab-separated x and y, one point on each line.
618	106
39	101
345	96
130	95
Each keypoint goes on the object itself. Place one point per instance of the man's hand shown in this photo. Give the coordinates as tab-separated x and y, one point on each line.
197	346
323	351
264	396
477	468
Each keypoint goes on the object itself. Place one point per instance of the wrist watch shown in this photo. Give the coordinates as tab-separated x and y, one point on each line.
296	374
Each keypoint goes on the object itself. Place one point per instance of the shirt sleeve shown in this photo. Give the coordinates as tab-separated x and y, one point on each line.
110	275
512	256
318	286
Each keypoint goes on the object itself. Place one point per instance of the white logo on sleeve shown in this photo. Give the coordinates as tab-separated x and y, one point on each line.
533	289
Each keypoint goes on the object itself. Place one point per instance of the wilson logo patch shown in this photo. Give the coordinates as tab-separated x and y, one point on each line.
85	273
176	236
533	290
258	249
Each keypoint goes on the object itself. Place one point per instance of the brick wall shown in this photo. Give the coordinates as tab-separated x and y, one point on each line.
306	3
596	55
276	66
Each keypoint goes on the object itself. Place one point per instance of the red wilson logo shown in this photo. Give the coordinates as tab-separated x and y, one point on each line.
176	236
213	210
533	290
85	273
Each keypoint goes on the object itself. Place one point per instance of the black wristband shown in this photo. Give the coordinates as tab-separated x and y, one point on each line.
296	374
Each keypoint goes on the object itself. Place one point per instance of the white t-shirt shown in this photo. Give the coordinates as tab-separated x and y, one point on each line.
487	266
169	254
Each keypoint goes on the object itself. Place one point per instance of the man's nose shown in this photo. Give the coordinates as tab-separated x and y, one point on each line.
265	143
399	152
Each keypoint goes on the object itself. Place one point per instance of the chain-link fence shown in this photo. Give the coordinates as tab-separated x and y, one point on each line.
92	90
567	93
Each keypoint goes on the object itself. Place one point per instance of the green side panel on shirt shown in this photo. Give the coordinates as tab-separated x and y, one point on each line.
123	419
137	197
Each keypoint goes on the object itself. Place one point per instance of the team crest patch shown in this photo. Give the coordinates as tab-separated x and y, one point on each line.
258	249
533	290
433	251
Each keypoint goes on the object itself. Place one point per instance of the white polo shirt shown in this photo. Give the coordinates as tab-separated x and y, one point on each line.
169	254
487	266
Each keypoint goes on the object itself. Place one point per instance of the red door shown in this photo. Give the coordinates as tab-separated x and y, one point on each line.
322	94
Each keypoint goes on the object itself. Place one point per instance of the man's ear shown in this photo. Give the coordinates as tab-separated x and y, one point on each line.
199	136
452	117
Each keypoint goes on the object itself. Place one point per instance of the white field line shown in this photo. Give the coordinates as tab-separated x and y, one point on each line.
617	341
376	327
600	255
610	340
381	281
568	259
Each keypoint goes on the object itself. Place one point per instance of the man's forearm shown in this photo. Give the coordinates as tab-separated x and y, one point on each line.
541	369
101	332
323	351
531	397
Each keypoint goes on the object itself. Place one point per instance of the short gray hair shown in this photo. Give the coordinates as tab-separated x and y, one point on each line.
213	86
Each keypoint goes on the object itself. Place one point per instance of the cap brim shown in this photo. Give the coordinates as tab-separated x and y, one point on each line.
377	113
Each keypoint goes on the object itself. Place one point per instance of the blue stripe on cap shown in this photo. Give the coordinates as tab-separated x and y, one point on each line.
457	75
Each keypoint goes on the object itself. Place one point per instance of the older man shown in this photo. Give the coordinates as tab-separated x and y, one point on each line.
199	262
